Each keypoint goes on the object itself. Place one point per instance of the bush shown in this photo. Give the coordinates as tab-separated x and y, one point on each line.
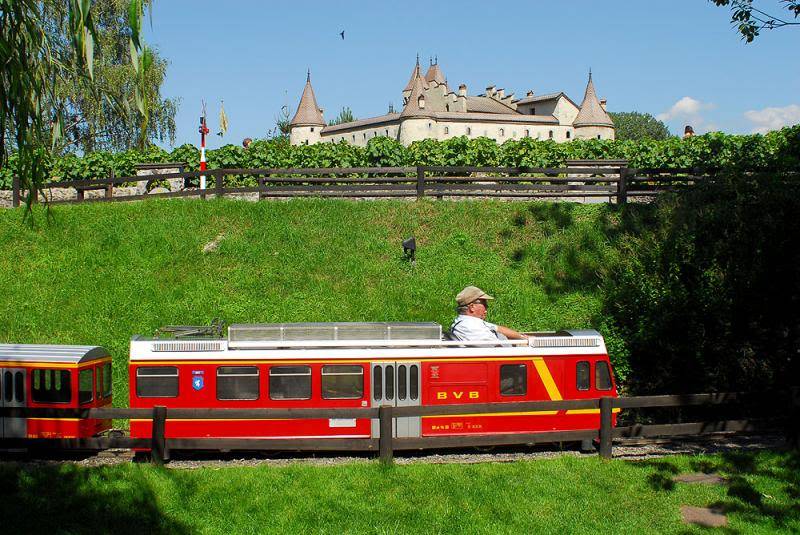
778	150
708	296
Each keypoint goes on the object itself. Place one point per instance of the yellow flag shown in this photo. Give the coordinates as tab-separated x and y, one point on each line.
223	119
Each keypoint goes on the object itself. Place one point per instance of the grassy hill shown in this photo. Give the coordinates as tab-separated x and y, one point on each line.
99	273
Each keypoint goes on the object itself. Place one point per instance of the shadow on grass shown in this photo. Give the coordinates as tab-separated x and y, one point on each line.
69	499
743	470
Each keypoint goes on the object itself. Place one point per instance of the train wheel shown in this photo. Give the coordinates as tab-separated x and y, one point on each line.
142	457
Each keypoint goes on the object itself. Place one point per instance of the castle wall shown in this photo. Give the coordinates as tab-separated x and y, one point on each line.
595	132
305	135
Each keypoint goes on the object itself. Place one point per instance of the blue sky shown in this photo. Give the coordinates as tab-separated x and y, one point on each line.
679	59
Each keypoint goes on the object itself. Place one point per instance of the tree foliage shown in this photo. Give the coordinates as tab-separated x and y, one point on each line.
749	20
707	296
345	116
31	110
97	112
635	126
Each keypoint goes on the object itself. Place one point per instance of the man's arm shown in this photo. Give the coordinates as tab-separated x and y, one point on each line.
509	333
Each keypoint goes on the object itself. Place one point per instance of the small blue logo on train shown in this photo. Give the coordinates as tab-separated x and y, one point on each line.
197	380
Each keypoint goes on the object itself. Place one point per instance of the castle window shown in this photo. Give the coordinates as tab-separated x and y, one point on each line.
568	134
354	137
365	135
550	135
533	111
469	131
430	125
446	130
598	136
527	133
387	132
447	107
502	132
312	128
305	142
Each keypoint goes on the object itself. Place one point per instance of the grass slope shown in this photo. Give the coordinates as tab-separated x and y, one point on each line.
562	495
99	273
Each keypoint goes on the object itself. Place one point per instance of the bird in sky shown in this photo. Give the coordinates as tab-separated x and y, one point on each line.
342	34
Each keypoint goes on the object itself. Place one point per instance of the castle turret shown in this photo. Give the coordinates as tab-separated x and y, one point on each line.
307	124
416	119
592	121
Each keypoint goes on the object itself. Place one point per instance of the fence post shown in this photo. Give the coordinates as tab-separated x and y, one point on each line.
15	191
420	182
158	446
385	440
606	405
110	186
219	183
260	188
622	186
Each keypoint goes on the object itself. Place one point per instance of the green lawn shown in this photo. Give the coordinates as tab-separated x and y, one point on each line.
99	273
562	495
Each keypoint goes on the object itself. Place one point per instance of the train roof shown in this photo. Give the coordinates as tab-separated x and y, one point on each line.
363	340
50	354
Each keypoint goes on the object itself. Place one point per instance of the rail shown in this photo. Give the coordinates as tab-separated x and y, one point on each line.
160	445
589	183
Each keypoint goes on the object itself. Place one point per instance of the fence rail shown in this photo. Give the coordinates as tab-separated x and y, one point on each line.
614	183
385	444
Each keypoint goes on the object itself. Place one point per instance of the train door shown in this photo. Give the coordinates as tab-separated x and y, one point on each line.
397	384
12	394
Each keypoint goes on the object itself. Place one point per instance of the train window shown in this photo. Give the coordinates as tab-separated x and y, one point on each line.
582	375
402	385
513	379
157	382
107	380
8	386
377	383
237	382
414	394
19	387
86	386
389	382
99	378
290	382
342	382
602	376
51	386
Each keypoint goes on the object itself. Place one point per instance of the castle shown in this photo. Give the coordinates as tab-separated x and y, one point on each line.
432	110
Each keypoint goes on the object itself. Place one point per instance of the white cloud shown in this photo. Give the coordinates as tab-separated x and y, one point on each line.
773	118
689	111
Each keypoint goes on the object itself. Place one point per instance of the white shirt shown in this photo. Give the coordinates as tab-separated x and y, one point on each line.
471	328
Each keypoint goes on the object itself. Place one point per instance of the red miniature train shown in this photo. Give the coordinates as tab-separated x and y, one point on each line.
51	376
337	365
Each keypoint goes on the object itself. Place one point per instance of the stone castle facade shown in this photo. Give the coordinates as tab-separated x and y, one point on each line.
432	110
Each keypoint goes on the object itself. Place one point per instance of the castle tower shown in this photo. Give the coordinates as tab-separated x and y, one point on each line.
592	121
410	85
307	124
416	116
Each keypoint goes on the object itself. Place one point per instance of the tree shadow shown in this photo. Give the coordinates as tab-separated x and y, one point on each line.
64	498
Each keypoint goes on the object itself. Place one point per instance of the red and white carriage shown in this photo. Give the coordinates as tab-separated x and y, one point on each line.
332	365
54	377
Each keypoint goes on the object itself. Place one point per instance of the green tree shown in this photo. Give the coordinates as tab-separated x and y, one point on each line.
31	111
345	116
632	125
749	20
97	113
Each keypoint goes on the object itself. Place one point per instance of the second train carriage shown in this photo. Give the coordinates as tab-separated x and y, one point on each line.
349	365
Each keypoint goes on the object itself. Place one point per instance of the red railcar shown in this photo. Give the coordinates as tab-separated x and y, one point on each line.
330	365
54	376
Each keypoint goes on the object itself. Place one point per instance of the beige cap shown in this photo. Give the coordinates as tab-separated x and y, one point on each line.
470	294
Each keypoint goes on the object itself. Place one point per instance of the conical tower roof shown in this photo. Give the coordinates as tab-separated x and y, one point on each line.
414	75
308	113
434	74
412	108
591	112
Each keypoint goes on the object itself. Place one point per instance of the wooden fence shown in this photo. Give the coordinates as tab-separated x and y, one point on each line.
785	407
589	183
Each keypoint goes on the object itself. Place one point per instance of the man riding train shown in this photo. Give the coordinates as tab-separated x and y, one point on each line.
470	324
